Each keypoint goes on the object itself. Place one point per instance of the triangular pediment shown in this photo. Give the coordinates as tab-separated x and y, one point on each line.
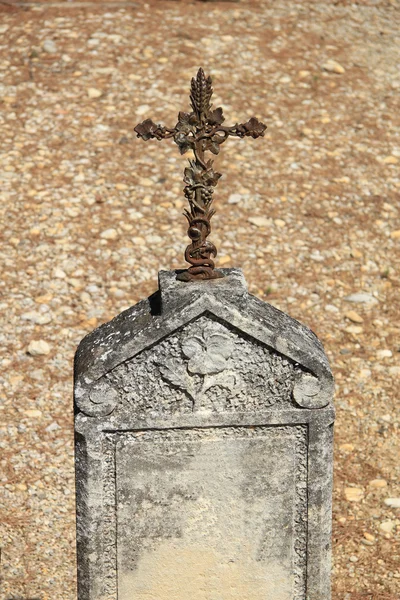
148	328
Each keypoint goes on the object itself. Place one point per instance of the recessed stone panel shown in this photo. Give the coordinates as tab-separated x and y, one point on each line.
212	513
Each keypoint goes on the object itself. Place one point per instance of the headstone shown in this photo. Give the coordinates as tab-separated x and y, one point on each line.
204	423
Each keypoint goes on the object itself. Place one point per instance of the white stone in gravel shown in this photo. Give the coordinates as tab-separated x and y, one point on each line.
280	223
393	502
142	109
378	483
317	256
259	221
146	182
390	160
154	239
354	329
86	298
109	234
353	558
333	67
394	370
353	316
138	240
38	348
30	316
365	373
331	308
53	426
33	413
59	273
37	374
94	93
49	46
235	198
361	298
387	526
43	319
353	494
384	353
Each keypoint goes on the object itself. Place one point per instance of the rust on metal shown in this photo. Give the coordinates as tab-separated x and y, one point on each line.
200	131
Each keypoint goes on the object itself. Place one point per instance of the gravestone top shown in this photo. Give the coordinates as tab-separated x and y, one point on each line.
203	450
174	305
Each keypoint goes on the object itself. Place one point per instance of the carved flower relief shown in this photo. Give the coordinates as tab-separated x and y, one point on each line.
208	352
205	364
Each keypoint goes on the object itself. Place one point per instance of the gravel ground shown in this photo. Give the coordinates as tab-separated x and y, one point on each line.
90	214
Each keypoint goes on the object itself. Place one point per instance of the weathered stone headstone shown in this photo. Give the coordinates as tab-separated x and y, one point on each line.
203	426
203	450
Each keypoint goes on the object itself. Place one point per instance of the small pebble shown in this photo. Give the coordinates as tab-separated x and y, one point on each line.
331	308
53	426
33	413
353	316
59	273
355	329
38	348
365	373
384	354
347	447
260	221
333	67
21	487
146	182
109	234
138	240
49	46
393	502
361	298
353	559
143	109
390	160
43	319
235	198
387	526
378	483
353	494
94	93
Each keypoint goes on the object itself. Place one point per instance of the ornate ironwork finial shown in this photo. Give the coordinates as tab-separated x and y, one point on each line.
200	131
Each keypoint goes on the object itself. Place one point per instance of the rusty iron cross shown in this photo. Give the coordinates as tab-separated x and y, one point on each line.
200	131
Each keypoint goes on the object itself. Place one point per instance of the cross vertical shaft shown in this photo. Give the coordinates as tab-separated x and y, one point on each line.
200	131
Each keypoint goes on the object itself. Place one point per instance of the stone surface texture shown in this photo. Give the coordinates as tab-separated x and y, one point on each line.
323	186
203	450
